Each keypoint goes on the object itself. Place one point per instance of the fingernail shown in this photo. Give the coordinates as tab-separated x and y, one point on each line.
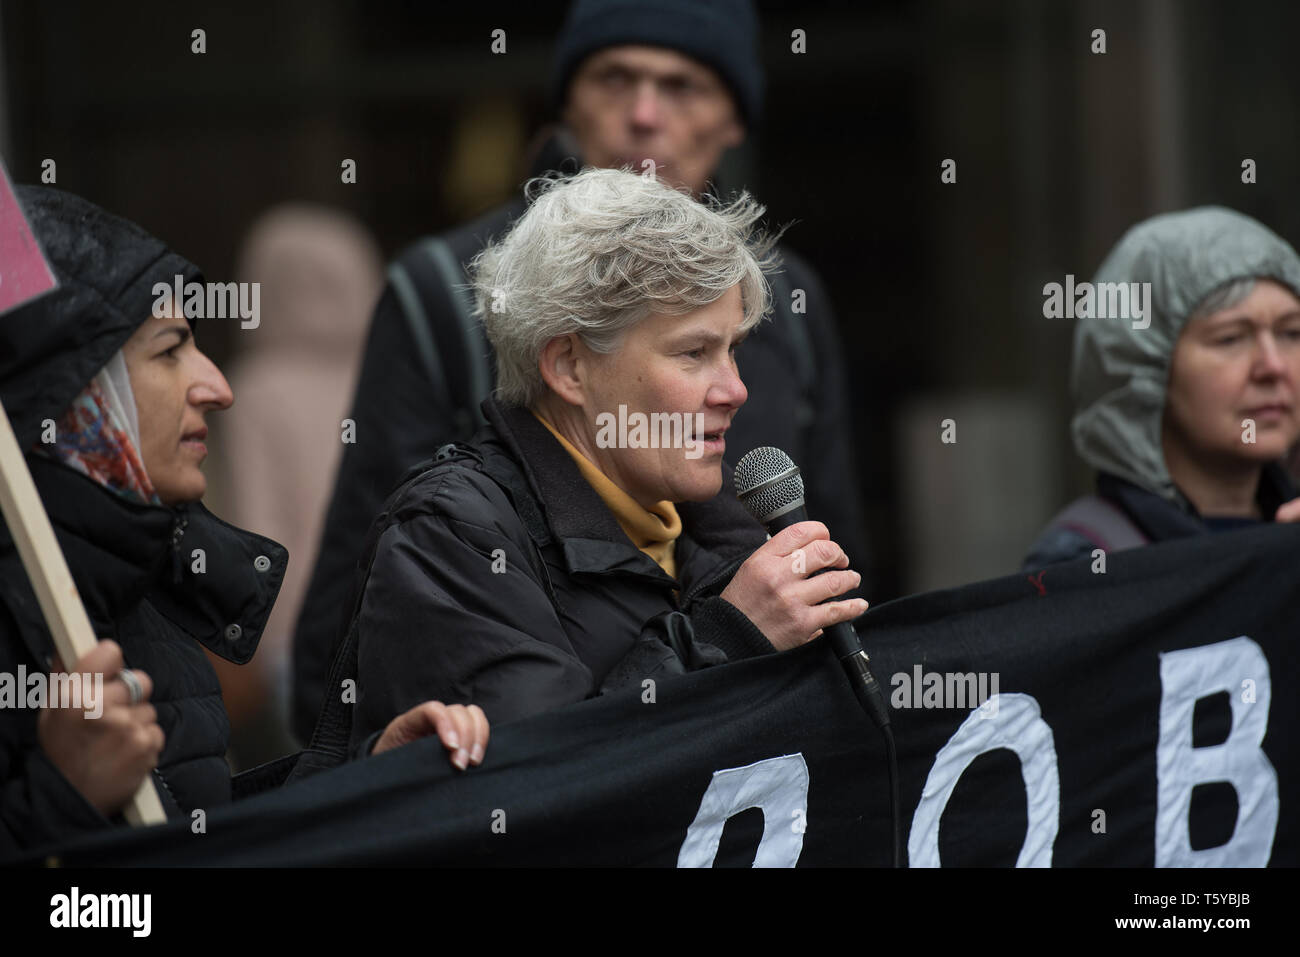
460	759
477	754
859	574
453	739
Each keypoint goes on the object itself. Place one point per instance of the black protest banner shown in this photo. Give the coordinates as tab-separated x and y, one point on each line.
1137	714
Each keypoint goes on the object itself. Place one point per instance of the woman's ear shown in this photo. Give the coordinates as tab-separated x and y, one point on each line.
561	368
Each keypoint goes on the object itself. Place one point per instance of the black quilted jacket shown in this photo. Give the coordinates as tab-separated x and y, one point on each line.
131	562
497	576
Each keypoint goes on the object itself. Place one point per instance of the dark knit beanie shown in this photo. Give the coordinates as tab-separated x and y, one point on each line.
721	34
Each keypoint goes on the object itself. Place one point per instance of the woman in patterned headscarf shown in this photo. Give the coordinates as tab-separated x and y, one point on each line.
110	394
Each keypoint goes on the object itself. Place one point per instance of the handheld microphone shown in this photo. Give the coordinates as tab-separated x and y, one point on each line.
769	485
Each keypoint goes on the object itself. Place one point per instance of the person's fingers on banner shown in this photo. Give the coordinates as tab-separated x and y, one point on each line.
455	728
108	743
1288	511
462	730
478	746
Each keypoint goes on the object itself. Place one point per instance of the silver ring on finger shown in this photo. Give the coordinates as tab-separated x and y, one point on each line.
133	686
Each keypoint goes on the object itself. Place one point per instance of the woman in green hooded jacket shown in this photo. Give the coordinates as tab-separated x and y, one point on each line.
1187	414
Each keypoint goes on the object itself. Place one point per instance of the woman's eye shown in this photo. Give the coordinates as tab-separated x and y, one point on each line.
694	354
1227	341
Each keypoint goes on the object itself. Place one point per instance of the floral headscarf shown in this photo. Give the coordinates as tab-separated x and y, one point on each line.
99	435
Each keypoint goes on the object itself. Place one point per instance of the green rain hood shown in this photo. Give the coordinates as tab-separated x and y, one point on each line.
1119	373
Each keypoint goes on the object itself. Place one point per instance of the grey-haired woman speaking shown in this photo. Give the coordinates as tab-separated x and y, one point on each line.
583	542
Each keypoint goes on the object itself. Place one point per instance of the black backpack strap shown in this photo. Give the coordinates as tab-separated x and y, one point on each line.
411	302
430	283
795	330
473	343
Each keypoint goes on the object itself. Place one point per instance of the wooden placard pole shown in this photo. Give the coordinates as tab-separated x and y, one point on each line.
65	616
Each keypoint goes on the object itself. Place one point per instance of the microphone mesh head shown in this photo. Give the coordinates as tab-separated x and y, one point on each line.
768	483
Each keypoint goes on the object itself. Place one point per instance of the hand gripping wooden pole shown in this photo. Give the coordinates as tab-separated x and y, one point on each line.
65	616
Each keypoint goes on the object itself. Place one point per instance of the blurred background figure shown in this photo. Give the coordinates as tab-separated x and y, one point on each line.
320	274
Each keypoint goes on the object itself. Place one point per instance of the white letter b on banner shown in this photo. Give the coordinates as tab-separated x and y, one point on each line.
1185	677
778	787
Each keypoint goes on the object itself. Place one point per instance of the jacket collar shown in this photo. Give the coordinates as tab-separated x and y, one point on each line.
1161	520
120	552
587	531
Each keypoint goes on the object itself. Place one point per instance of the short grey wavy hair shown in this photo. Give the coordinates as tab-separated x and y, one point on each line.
599	251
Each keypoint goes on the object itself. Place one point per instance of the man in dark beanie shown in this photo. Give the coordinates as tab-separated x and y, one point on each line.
673	84
676	83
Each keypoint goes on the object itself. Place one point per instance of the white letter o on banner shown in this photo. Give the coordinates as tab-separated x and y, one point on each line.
777	786
1016	724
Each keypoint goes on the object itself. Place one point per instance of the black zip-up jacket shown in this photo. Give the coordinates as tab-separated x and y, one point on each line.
1153	517
497	576
133	564
792	365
